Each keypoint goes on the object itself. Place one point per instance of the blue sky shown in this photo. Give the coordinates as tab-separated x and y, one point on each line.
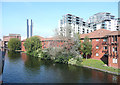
45	15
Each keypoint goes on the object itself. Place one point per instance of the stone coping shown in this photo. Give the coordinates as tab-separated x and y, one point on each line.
101	70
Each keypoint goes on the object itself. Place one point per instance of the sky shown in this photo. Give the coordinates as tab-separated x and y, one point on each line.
45	15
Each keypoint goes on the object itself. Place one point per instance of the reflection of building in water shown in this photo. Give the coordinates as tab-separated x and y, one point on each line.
24	56
98	75
101	75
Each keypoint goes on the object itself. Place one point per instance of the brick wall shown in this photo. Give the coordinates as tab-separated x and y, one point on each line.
99	50
115	55
22	46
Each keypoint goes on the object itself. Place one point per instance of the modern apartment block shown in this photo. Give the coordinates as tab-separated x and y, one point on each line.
29	28
76	25
104	20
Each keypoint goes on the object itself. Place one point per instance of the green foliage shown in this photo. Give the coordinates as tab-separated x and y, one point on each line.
45	55
62	59
72	61
33	46
75	60
14	44
62	55
86	47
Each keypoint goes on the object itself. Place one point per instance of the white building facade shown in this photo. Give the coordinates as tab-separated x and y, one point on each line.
76	25
104	20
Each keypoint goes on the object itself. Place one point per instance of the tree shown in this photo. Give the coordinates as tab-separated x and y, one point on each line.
14	44
76	47
70	48
33	46
86	47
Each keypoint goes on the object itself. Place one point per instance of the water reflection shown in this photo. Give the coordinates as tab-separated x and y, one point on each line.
32	63
34	70
13	56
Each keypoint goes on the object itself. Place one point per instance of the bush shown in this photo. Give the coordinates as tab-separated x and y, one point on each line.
72	61
14	44
62	59
33	46
75	61
45	55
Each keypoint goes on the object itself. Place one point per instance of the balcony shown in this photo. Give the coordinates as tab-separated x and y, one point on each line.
77	22
69	17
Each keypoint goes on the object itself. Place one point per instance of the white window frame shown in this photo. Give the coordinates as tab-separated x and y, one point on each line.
113	49
97	47
114	60
97	54
97	39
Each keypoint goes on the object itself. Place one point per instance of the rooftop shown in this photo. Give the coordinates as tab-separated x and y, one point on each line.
100	33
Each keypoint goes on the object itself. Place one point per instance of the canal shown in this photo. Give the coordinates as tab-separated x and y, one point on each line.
20	68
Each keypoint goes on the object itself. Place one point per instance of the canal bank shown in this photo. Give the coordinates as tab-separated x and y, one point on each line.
98	65
116	73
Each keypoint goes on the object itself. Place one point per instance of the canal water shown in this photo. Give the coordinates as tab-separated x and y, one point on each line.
21	68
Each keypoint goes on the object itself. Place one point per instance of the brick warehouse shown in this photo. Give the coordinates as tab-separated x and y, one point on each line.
105	45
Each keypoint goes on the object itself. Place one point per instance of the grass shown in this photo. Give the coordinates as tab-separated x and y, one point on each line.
98	64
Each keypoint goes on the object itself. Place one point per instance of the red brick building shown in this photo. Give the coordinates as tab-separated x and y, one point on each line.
105	46
7	38
47	42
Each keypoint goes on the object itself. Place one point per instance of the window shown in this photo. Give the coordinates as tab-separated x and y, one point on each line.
105	47
114	60
105	40
97	47
87	31
113	49
97	39
83	31
90	40
115	38
97	54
